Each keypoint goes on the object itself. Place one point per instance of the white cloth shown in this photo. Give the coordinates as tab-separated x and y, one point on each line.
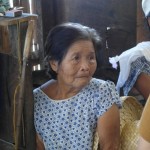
146	6
126	58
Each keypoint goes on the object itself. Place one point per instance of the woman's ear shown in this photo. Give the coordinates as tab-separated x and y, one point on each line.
54	65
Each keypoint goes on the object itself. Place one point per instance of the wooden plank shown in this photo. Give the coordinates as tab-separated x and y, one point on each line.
8	83
30	140
6	145
4	40
5	21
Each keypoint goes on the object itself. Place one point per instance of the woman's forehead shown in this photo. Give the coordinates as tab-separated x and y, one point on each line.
82	44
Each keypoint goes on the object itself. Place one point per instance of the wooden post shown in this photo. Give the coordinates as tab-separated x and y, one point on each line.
27	48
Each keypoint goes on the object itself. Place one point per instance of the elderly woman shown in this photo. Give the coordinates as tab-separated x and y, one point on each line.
72	105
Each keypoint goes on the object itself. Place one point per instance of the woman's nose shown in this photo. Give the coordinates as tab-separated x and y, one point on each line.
85	65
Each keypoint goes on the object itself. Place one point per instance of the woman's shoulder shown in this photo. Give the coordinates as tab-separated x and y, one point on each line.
100	82
102	87
97	81
49	84
43	89
47	87
36	90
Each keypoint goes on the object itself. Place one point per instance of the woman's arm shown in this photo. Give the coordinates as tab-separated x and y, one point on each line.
144	128
109	129
142	84
39	143
143	144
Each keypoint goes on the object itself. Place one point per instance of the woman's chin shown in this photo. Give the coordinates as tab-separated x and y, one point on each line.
83	81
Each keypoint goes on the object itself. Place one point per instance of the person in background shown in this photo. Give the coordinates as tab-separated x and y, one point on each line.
134	69
144	126
71	106
135	64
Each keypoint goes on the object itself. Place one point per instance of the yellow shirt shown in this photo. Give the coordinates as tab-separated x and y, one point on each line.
144	128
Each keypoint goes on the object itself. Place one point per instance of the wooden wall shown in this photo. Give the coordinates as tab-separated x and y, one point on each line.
124	19
119	15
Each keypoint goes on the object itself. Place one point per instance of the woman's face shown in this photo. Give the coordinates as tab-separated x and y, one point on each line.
78	66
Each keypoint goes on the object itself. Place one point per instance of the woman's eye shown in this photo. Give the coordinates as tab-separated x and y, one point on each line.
92	57
76	58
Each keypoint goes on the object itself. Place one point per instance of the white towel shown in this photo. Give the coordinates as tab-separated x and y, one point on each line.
126	58
146	7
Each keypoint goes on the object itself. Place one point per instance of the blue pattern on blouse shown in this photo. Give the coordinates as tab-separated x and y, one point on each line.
71	123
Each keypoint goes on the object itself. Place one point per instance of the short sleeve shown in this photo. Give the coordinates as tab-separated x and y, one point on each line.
107	96
38	107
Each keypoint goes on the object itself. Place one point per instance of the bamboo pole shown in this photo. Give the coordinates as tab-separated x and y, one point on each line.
20	103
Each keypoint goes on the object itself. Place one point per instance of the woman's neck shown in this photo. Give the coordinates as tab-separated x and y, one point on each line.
57	91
